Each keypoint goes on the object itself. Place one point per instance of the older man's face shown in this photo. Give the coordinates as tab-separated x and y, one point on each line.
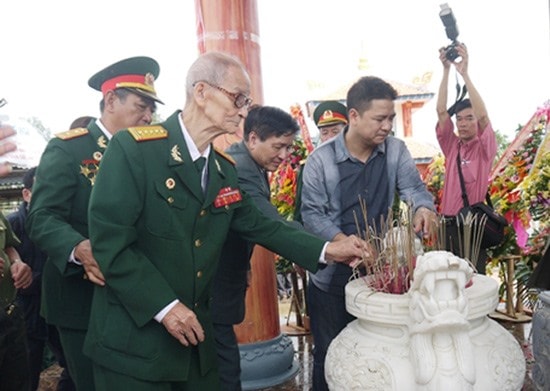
328	132
272	151
221	108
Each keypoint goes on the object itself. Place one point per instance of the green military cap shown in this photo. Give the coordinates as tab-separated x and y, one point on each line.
330	112
137	74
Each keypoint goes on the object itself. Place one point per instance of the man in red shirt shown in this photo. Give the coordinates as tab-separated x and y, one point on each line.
475	141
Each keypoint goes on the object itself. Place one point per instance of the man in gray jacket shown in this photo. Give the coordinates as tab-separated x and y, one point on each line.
268	136
363	162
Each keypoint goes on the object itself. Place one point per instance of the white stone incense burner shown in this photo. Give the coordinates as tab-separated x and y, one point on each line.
435	337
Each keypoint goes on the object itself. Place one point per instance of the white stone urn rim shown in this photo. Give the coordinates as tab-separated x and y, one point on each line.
363	302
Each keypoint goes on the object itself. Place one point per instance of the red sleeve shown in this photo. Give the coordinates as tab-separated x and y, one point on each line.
446	136
488	142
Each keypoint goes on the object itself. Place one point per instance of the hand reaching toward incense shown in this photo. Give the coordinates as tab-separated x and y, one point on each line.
350	250
425	221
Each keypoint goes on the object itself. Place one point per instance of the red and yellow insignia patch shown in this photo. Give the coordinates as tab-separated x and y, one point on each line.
227	196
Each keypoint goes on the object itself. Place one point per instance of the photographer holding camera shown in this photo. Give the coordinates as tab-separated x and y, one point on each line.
475	141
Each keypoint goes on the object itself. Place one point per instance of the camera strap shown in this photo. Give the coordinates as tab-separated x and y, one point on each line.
460	94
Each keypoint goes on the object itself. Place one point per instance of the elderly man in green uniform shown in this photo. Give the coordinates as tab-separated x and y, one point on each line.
158	237
58	218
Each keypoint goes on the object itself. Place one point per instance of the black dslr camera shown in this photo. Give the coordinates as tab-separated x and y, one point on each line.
449	21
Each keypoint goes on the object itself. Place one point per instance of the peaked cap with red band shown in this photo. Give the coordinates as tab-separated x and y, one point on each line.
137	74
330	112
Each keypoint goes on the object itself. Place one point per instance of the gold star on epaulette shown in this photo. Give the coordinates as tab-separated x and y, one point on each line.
225	156
148	133
73	133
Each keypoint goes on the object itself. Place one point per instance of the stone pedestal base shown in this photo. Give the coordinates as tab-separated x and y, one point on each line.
267	363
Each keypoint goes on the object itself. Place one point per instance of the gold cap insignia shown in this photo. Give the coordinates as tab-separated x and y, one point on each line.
150	81
327	115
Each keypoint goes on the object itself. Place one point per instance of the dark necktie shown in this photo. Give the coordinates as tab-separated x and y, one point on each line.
199	164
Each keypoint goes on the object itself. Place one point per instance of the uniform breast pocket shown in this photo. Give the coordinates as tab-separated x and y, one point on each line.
224	213
167	212
228	208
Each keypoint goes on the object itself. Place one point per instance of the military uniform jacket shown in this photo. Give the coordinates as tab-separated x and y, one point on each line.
230	282
58	221
158	238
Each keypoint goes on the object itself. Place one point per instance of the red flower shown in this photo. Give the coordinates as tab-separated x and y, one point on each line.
514	197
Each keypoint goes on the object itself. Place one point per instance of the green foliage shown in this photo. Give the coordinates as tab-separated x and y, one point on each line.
502	143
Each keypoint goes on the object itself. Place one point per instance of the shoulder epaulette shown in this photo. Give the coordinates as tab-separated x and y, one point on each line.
225	156
73	133
148	133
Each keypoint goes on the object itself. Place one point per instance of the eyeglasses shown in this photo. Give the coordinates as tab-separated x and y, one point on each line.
240	100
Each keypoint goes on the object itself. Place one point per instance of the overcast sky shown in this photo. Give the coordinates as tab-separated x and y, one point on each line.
51	48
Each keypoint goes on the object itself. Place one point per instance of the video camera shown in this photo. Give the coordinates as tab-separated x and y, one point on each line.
449	21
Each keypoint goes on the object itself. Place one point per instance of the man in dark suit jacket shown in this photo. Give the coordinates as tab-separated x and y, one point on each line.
58	218
268	136
159	234
38	332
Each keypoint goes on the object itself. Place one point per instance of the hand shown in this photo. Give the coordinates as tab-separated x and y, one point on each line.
444	60
425	221
83	253
5	147
462	65
21	274
183	324
350	250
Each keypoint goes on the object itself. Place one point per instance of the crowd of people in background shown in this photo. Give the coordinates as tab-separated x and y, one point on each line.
135	274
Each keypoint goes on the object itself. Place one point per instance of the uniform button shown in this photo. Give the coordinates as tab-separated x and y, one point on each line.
198	243
226	207
203	212
170	200
196	305
199	274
